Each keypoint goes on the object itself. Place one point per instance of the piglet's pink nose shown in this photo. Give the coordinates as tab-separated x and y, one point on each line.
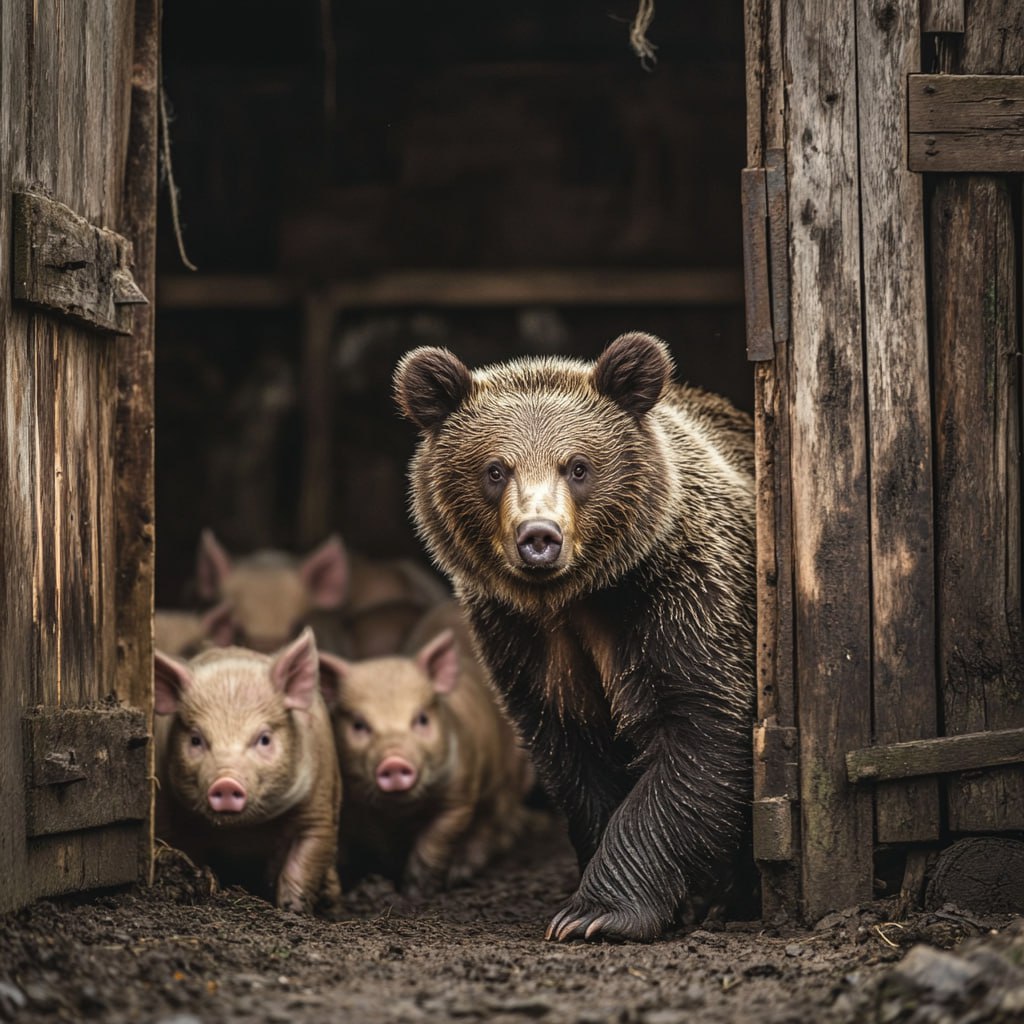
226	796
395	775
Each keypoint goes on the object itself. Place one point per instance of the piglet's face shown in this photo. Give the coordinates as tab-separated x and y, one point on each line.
235	754
391	725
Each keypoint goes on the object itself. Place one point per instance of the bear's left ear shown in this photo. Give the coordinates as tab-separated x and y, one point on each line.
633	371
430	384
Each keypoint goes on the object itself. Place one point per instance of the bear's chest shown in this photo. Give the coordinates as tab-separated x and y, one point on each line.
582	664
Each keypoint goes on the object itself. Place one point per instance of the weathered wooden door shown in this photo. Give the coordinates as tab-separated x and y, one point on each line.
77	189
883	290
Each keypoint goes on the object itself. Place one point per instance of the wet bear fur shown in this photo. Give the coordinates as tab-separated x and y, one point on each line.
627	661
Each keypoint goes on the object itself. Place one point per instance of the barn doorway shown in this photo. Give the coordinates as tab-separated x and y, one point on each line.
356	180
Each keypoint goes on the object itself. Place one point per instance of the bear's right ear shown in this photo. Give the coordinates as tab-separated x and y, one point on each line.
633	371
430	384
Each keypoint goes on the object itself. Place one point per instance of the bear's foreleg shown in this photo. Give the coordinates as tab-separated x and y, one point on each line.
681	816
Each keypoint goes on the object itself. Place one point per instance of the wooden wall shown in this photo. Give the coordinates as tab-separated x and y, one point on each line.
889	438
66	87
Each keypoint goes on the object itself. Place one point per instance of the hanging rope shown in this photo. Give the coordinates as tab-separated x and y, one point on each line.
642	46
172	188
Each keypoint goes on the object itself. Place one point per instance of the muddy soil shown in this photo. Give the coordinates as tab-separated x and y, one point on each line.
184	951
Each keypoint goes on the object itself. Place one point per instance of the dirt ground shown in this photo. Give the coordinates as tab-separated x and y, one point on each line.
184	952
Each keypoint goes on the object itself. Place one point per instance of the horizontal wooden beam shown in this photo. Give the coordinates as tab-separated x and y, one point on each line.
966	123
440	288
936	756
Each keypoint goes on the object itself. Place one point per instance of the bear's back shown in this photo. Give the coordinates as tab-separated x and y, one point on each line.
728	428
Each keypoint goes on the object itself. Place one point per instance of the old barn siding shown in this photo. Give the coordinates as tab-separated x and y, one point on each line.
65	95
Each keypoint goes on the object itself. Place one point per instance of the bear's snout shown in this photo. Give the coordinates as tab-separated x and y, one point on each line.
539	542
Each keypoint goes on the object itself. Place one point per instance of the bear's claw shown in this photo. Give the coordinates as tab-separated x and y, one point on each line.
577	921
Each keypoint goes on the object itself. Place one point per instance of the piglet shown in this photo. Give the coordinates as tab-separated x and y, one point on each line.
357	606
247	769
434	775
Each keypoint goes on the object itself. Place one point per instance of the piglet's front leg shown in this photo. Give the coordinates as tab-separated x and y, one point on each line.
309	876
430	861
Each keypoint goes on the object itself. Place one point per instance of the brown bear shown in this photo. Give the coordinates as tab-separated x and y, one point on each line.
597	522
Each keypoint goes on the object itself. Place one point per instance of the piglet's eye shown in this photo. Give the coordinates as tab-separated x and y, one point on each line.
264	739
195	740
421	720
358	725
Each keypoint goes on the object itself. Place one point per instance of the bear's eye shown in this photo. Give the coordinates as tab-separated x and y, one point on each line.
578	470
495	473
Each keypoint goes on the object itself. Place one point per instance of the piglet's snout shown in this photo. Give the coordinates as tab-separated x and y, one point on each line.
539	542
226	796
396	775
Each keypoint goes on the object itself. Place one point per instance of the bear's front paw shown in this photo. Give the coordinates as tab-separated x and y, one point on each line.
587	919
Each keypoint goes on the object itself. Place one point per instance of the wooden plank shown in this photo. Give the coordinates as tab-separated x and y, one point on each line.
780	880
78	861
18	494
85	767
966	123
65	265
976	369
132	530
977	404
937	756
942	15
829	459
899	419
583	286
760	341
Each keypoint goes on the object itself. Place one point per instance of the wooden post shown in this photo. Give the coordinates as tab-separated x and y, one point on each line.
899	415
134	437
829	456
776	788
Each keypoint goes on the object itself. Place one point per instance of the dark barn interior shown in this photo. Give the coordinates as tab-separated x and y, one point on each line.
354	180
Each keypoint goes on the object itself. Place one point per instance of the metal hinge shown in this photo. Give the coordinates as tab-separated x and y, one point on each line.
776	786
766	255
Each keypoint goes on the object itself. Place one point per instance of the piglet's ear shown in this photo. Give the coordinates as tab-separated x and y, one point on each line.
439	659
430	384
295	672
333	673
213	564
325	574
633	371
219	624
171	681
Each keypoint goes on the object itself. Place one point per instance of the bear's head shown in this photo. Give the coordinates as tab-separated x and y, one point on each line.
541	478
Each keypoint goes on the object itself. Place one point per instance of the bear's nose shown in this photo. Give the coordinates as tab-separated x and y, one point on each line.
539	541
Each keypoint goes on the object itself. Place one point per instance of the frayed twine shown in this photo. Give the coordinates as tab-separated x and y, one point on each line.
642	46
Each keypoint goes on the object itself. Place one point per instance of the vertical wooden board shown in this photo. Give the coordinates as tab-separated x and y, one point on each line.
977	447
44	340
81	619
133	437
977	408
942	15
830	509
780	880
899	415
17	470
